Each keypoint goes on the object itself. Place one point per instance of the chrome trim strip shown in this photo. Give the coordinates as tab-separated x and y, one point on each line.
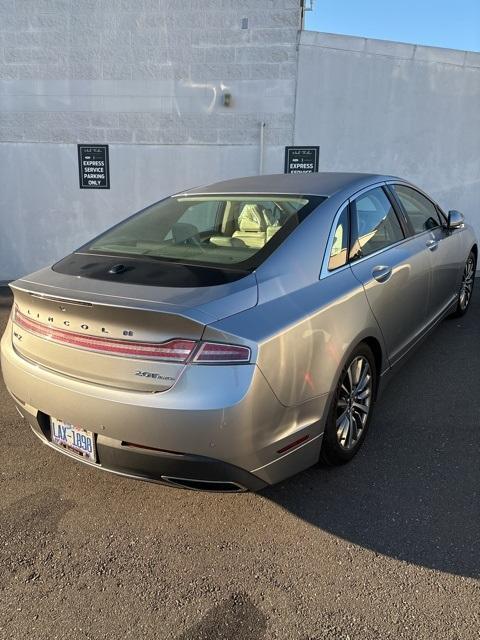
106	295
171	480
240	194
43	296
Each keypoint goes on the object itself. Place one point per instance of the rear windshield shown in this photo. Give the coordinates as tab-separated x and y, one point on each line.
237	231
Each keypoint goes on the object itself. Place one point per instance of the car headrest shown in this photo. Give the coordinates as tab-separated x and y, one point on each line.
251	218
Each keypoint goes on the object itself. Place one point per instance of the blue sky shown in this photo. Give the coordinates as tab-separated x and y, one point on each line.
440	23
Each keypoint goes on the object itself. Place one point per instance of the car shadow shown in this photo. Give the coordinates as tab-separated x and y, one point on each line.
412	492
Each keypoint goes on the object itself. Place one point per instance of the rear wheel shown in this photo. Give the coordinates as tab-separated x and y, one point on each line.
351	409
466	287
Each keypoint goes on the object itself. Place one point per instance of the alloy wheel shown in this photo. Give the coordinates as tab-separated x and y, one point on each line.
354	402
466	287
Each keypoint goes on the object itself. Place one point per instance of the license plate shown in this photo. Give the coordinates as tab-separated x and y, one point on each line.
75	439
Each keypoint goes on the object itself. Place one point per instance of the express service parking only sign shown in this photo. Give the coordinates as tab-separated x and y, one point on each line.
301	159
93	166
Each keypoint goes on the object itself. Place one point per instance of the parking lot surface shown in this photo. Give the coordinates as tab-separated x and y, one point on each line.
385	547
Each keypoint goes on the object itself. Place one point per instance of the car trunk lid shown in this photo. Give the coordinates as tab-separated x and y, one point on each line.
117	334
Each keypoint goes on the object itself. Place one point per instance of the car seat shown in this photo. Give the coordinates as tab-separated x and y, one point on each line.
255	228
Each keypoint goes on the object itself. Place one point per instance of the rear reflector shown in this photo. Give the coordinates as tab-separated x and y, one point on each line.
218	352
143	446
172	351
293	444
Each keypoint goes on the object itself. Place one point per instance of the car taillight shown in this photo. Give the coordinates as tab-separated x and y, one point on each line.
218	352
177	350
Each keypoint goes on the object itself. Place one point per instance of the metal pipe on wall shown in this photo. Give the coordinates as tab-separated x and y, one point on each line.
262	144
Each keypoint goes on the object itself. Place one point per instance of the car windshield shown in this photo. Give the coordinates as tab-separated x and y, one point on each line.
215	230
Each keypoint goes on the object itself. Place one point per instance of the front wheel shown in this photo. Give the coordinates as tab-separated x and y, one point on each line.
466	287
351	409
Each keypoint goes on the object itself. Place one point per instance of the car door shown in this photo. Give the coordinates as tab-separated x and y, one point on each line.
392	266
441	246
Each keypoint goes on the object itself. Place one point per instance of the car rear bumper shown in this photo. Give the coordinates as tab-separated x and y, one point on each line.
217	424
173	469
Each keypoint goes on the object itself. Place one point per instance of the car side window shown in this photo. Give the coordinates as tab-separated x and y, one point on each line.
422	213
375	225
339	251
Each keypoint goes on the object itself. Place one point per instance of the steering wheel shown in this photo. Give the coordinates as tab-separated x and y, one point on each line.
195	242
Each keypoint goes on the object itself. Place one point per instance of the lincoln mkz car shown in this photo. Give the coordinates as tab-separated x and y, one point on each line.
230	336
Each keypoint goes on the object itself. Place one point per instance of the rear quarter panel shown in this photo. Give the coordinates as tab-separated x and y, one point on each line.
304	326
320	326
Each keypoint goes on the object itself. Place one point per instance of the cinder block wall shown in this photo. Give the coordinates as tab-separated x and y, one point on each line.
396	108
147	71
146	77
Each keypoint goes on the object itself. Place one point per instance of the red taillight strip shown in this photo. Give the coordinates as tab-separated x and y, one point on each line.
218	352
177	350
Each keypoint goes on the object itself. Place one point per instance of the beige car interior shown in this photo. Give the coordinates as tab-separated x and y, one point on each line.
253	228
338	255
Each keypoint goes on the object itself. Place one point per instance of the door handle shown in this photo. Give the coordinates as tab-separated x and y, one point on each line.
432	245
381	273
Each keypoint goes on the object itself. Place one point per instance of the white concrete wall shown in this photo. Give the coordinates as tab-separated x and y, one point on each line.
394	108
146	77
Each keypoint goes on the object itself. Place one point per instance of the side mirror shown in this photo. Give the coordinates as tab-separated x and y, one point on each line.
455	220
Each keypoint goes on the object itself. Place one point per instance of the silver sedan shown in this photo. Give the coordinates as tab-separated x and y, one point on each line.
230	336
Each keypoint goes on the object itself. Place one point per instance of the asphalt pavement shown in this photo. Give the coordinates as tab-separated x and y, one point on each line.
387	547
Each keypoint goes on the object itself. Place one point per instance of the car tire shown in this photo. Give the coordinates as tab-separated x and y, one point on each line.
347	423
466	286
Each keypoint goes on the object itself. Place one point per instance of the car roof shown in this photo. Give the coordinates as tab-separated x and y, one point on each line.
314	184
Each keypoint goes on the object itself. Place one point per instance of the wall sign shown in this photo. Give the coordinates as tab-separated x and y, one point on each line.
93	166
301	159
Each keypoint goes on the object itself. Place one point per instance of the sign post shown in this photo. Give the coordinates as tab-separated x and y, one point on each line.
93	166
301	159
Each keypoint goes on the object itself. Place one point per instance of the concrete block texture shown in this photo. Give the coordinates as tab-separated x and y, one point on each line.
393	108
156	68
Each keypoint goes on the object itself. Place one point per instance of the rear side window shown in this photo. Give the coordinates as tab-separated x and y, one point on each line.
422	213
339	252
375	225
